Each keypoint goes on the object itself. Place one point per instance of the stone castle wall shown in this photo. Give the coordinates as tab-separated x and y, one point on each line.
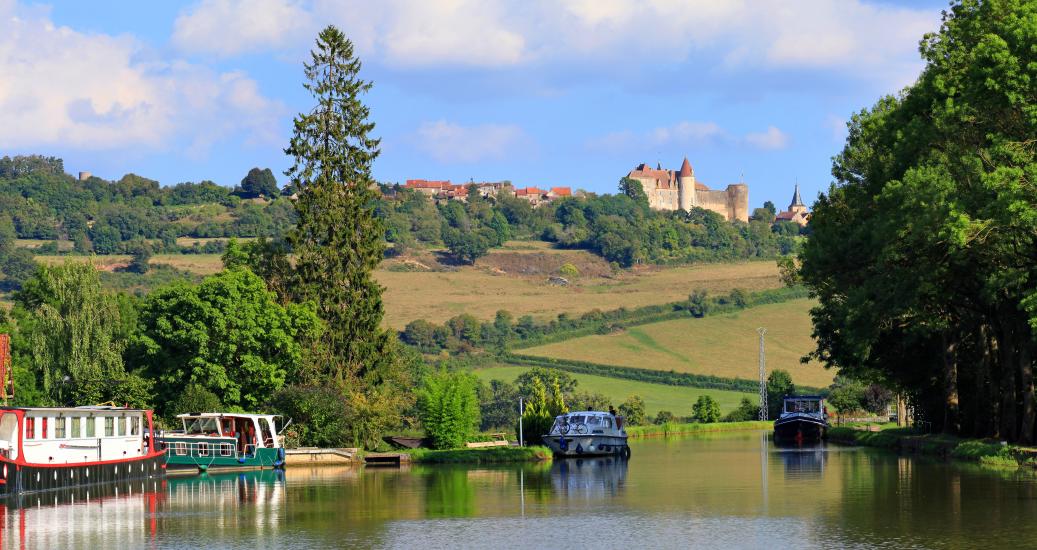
732	203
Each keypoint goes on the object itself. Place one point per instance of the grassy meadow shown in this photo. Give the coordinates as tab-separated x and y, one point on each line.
722	345
658	397
484	288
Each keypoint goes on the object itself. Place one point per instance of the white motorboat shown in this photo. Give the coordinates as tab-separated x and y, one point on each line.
588	433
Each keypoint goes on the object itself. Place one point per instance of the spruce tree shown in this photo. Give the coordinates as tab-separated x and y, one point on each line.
337	242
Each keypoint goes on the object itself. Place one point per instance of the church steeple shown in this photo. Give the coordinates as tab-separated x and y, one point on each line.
796	201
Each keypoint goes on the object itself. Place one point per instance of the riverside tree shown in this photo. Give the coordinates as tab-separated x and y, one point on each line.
338	241
923	252
449	408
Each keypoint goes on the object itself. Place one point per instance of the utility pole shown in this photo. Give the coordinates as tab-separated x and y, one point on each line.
763	377
521	442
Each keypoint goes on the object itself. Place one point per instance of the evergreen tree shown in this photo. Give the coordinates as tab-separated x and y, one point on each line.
337	241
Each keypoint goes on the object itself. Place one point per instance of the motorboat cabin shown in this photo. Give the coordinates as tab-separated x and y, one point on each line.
588	433
223	441
803	418
57	448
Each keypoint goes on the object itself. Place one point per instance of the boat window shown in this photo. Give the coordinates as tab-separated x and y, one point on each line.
43	431
91	427
576	419
59	428
30	427
180	448
134	426
109	426
226	449
76	427
593	420
121	422
201	426
606	422
268	436
203	449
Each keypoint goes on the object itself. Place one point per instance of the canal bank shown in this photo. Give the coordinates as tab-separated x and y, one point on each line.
909	441
485	455
669	428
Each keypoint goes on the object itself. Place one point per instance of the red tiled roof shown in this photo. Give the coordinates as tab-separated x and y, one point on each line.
785	216
562	191
427	184
529	191
701	186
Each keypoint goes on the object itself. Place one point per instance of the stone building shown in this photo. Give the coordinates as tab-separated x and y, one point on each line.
797	211
678	189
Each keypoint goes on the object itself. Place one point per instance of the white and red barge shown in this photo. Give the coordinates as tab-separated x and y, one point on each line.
42	449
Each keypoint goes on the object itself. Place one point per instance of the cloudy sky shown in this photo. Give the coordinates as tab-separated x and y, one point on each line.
541	92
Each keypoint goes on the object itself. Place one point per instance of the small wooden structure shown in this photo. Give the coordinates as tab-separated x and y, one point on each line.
312	456
392	460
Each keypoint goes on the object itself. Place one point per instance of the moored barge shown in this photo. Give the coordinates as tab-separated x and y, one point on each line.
222	442
587	433
803	419
44	448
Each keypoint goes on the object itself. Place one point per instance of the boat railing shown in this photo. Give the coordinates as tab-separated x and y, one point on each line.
206	449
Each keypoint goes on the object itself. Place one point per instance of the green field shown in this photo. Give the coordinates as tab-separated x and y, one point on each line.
658	397
721	345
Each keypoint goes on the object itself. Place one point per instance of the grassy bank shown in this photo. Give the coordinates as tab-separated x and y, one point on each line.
682	429
489	455
658	397
986	452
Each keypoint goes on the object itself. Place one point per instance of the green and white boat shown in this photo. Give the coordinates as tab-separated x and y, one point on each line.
223	442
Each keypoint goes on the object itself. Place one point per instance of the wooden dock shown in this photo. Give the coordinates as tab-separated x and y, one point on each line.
312	456
391	460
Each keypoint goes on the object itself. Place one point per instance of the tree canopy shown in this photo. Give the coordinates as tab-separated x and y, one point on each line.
922	253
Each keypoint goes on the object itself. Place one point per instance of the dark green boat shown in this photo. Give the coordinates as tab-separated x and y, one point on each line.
223	442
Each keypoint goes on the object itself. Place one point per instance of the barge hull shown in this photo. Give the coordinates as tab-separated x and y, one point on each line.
18	478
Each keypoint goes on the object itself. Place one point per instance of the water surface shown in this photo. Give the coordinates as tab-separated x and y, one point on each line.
735	489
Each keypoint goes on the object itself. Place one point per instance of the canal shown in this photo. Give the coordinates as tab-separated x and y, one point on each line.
719	490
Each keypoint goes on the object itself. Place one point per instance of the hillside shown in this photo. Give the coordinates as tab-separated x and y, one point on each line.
517	281
722	345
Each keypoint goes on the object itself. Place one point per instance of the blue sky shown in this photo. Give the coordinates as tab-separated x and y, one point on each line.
540	92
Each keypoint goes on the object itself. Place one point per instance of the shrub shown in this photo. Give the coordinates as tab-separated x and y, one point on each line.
664	417
706	410
449	408
569	270
746	411
633	410
317	413
194	398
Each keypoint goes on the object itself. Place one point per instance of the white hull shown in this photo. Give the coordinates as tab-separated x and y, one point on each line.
586	445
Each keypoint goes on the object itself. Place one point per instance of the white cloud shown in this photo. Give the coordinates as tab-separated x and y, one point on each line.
95	91
687	134
232	27
448	142
770	139
854	37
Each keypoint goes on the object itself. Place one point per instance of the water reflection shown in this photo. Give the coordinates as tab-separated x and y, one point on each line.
586	478
721	490
803	462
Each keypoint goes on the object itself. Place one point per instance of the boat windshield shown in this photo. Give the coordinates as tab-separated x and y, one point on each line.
808	406
576	419
201	426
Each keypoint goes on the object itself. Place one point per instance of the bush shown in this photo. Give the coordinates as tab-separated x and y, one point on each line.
633	411
746	411
569	270
317	414
664	417
706	410
449	408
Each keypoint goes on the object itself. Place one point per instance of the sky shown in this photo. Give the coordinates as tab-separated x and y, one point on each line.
539	92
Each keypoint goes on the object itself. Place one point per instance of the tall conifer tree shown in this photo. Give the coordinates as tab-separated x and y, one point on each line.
338	240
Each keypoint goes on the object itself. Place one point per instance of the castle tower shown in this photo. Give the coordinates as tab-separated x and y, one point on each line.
686	186
797	203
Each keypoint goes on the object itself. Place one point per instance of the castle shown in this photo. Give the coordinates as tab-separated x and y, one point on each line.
673	190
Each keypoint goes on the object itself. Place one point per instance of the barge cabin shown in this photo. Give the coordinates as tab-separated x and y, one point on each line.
223	441
57	448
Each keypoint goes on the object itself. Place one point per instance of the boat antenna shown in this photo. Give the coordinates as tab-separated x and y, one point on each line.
763	377
6	372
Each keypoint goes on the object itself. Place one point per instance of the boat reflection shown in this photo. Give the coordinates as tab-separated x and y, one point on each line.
115	515
803	461
589	477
